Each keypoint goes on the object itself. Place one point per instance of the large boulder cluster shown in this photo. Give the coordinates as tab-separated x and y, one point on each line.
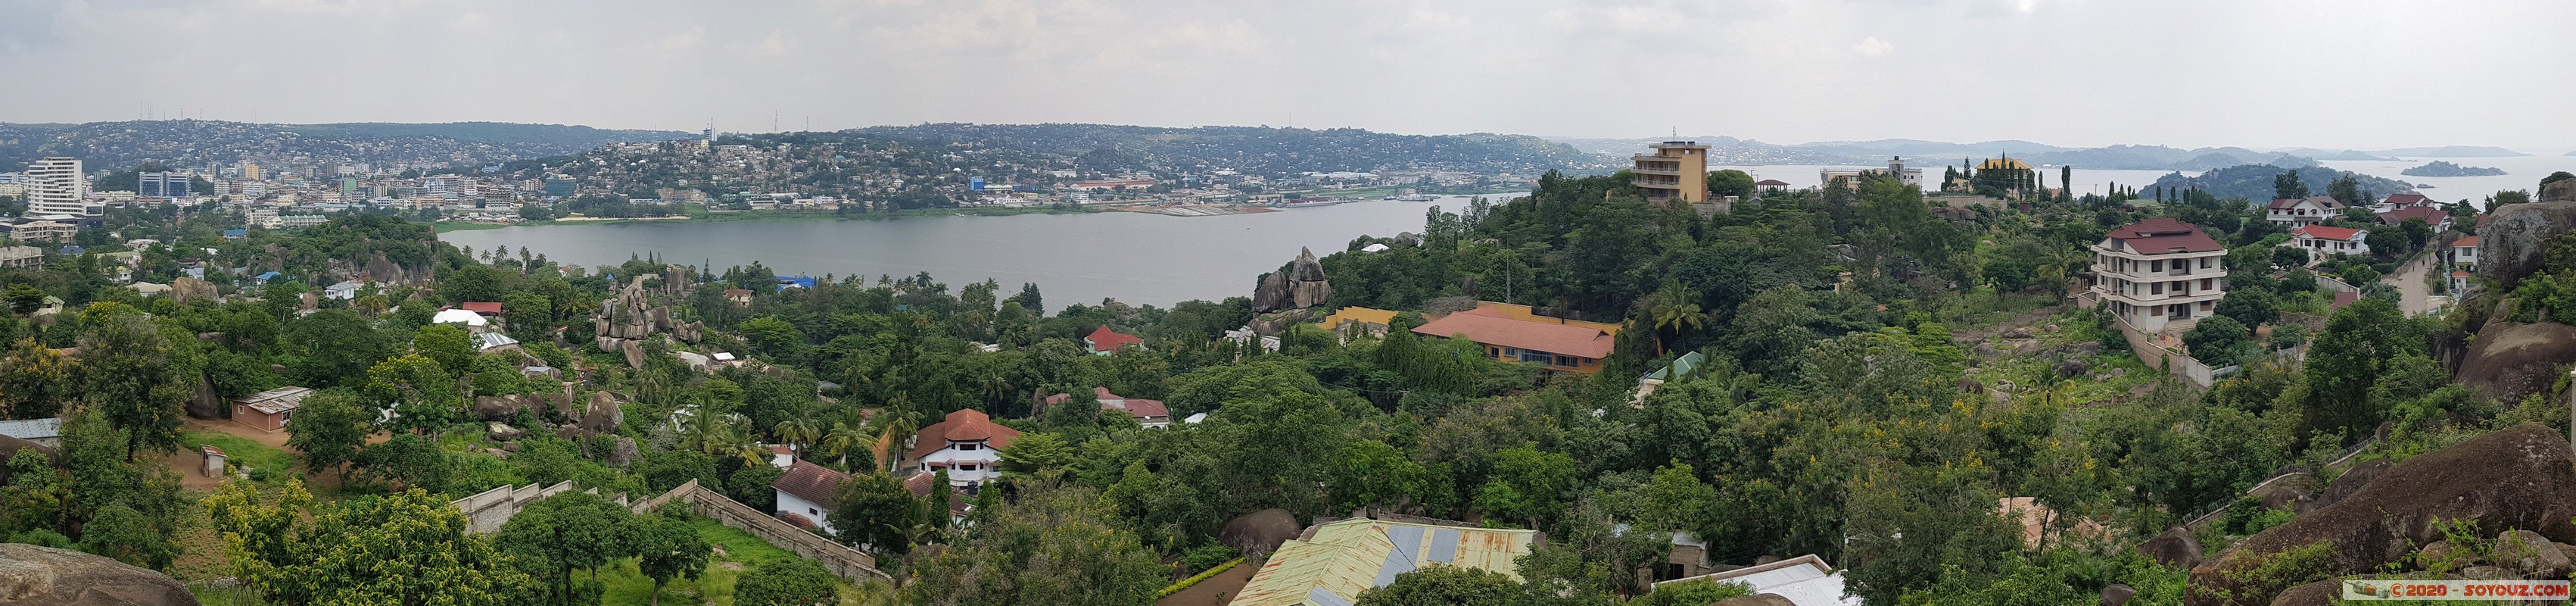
2516	483
623	323
1301	286
32	576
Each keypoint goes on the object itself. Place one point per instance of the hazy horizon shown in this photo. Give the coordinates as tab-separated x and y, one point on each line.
2336	75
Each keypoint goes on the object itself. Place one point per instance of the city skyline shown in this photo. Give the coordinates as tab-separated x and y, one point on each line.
2186	75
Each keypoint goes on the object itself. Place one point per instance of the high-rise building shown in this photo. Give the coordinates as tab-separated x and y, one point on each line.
250	170
161	184
55	187
1677	170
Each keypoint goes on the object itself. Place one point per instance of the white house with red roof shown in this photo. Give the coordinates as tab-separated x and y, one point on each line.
2398	201
806	493
968	444
1105	341
2323	241
1150	413
2464	253
2302	211
2159	272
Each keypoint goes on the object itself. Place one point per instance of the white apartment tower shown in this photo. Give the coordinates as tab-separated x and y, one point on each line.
55	187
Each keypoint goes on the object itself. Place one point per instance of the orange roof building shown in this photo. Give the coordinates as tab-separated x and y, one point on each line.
968	444
1567	347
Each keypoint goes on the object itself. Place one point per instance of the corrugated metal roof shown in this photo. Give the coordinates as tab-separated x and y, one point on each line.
32	429
1347	557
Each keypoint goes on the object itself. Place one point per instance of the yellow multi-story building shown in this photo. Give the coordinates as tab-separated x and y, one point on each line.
1677	170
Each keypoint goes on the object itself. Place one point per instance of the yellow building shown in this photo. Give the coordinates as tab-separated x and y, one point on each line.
1374	321
1677	169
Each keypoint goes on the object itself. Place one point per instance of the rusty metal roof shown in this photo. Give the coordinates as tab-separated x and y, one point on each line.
1347	557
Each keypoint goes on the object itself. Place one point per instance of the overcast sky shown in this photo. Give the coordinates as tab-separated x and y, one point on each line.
2328	73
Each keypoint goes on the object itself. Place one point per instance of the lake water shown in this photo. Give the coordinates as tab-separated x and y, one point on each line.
2521	172
1136	258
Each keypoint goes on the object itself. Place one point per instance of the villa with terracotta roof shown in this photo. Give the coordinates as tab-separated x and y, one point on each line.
481	307
1511	334
2436	217
2323	241
1105	341
2302	211
1150	413
920	483
2464	253
2159	272
805	494
968	444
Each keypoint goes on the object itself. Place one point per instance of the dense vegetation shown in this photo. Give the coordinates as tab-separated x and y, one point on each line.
1844	409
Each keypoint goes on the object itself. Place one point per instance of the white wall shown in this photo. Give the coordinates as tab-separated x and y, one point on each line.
788	503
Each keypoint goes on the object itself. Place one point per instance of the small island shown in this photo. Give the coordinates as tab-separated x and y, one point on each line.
2440	168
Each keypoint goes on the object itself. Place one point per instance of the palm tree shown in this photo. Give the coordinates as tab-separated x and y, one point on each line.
846	435
893	429
799	431
1674	309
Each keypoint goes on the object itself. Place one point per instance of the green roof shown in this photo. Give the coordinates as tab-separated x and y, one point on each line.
1681	367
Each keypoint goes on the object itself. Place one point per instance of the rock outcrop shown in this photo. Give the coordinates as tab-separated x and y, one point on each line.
187	289
603	416
2350	483
2508	360
2518	478
1301	286
502	408
1259	531
2511	240
623	322
2177	547
34	576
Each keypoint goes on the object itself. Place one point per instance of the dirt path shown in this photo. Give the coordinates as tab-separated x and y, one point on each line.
1214	591
2413	297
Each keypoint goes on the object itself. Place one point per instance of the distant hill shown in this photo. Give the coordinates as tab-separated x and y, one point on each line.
2451	151
2254	181
2440	168
196	143
1262	150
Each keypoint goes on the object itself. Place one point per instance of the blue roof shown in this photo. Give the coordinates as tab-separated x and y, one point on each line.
795	282
73	250
267	276
236	232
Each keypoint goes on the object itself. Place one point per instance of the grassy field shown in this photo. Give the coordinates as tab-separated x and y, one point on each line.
242	451
740	553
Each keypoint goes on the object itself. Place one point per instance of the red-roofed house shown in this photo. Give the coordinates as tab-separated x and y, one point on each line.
2322	241
968	444
2397	201
1558	346
807	490
2460	281
2302	211
487	308
1150	413
2436	217
2464	253
920	484
2159	271
1105	341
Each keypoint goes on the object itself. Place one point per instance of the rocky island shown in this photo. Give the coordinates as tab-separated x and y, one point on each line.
2441	168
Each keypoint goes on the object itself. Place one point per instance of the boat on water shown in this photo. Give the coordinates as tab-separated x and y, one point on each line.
1306	203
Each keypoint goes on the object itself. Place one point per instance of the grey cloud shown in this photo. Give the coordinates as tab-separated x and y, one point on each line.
2188	73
